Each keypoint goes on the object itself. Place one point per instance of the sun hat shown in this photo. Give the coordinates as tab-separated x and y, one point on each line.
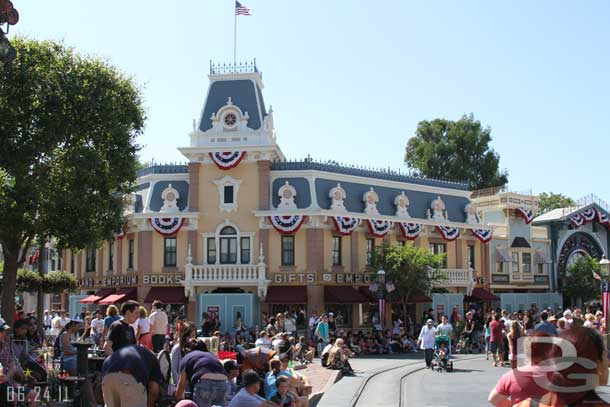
567	313
429	321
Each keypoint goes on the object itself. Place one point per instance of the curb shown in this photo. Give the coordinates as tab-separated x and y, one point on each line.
335	376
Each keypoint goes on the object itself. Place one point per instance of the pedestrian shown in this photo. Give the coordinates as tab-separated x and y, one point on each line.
545	326
121	332
188	333
97	328
487	336
143	334
232	372
112	315
248	395
313	320
513	350
338	358
158	325
263	340
322	333
131	377
272	376
68	352
426	341
496	340
205	374
47	320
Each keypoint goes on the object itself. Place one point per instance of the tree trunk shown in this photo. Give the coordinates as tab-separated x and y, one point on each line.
40	301
9	283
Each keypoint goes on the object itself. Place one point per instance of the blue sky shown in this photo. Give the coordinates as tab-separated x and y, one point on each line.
350	80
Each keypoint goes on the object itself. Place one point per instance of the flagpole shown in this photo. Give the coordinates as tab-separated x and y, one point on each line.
234	37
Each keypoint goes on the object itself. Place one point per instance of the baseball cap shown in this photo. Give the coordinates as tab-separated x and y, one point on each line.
429	321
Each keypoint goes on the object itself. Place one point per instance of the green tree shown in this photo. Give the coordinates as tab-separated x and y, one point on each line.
579	283
455	150
69	155
409	268
550	201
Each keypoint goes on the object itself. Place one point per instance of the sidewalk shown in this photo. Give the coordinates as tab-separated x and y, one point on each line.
321	379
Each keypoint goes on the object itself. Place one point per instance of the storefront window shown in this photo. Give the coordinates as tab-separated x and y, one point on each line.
343	314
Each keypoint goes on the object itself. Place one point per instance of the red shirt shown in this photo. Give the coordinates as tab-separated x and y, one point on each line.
520	385
495	329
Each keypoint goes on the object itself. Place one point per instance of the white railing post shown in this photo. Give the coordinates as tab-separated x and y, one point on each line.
261	271
189	290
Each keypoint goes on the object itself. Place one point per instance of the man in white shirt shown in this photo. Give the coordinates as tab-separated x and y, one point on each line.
263	341
426	341
47	320
158	326
312	324
97	327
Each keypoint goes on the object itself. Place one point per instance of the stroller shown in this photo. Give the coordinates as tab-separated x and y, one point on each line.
442	354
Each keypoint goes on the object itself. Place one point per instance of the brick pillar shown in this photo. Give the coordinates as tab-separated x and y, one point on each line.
118	255
192	240
315	263
194	169
264	172
144	252
354	252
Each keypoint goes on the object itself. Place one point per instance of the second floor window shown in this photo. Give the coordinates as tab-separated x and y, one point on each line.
90	263
211	244
440	248
228	194
245	250
131	253
288	250
228	245
72	261
527	262
470	257
110	256
336	250
370	250
169	252
515	262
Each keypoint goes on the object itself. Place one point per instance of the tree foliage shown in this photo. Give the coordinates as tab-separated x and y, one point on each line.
68	133
409	268
455	150
54	282
579	281
550	201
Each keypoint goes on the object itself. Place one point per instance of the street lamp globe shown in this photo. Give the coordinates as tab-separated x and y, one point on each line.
381	276
604	264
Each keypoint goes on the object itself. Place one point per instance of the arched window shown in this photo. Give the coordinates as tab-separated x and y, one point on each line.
228	245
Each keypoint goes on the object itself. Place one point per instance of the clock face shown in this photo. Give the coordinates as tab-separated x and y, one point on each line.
230	119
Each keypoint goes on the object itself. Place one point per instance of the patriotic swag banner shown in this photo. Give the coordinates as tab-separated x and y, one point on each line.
526	214
287	225
410	230
228	159
379	228
589	215
484	235
449	233
167	226
345	225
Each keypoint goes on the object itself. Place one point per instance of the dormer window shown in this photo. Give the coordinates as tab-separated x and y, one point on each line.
228	187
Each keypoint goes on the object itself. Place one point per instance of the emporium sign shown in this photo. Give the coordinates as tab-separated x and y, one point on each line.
145	280
301	278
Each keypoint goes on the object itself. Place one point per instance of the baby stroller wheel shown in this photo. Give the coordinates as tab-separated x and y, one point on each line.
450	367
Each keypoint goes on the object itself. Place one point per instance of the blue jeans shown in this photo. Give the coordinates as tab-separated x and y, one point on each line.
208	393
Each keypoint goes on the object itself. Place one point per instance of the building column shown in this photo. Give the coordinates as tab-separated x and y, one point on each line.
315	256
354	252
264	179
193	169
144	251
118	255
459	261
193	241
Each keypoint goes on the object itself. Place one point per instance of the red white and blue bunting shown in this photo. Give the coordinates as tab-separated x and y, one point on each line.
228	159
167	226
287	225
526	214
589	215
449	233
345	225
409	230
484	235
379	228
122	234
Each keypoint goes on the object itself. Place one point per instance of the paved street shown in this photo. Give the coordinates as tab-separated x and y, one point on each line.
375	386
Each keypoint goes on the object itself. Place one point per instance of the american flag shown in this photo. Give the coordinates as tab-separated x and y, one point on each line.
242	9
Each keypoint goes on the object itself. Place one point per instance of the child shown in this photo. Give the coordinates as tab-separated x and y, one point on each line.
282	396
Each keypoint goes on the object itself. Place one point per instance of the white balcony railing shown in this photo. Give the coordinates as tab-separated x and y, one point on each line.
226	275
453	277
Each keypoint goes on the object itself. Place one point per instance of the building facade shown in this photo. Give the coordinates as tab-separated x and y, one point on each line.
239	230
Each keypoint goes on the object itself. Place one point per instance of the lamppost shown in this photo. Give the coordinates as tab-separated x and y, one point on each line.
382	288
604	265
